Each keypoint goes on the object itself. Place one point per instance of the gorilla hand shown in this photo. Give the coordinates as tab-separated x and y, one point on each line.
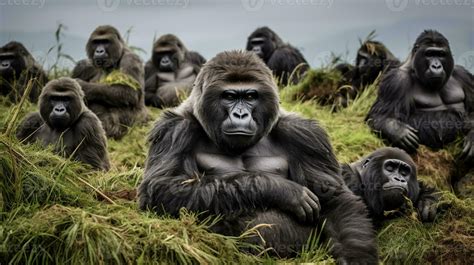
427	208
468	147
402	135
300	201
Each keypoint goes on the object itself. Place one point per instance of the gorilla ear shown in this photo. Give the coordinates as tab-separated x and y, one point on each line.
416	47
366	162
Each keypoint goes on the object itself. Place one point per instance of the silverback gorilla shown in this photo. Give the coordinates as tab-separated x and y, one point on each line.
229	150
112	80
17	67
65	122
170	73
283	59
427	100
384	178
372	59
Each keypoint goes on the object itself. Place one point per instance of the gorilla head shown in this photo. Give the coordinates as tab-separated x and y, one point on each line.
61	103
13	60
386	177
263	41
105	47
236	100
168	53
432	60
372	58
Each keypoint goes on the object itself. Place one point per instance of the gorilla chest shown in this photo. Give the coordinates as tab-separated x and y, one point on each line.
451	96
184	74
259	158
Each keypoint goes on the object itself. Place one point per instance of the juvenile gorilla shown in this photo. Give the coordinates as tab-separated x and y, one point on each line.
112	80
427	100
384	178
65	122
170	73
17	67
228	150
372	59
281	58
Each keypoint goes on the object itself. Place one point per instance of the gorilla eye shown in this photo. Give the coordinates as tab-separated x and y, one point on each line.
229	96
366	163
251	96
389	167
404	171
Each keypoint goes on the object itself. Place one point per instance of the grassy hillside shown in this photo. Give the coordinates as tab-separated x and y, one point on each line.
55	210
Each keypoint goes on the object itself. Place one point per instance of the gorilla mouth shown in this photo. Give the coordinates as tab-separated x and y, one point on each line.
239	133
394	188
100	62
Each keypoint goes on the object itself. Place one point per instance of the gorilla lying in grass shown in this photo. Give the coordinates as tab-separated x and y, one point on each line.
65	122
229	150
385	179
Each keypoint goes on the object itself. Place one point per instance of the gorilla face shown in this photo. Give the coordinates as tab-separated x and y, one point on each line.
166	61
12	61
263	42
390	173
105	47
236	101
432	60
60	106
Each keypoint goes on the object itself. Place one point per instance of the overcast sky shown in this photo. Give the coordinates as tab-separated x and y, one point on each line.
317	27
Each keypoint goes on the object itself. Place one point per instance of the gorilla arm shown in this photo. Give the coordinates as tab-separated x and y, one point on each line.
117	95
151	86
391	107
427	202
171	180
314	165
92	145
467	81
28	128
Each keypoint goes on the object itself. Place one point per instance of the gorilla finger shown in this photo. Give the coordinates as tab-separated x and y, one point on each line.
409	147
432	213
300	213
412	141
308	212
314	197
315	208
425	213
412	129
414	136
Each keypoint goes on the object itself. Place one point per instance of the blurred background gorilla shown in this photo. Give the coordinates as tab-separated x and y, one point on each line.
373	58
229	150
113	82
170	73
65	122
384	178
428	100
283	59
17	67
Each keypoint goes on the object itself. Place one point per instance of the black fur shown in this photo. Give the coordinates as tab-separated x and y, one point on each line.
82	135
117	104
173	178
280	57
366	178
22	68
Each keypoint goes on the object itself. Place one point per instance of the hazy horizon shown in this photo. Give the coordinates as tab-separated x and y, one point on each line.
317	27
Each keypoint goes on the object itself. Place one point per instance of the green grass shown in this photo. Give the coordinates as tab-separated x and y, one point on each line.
56	211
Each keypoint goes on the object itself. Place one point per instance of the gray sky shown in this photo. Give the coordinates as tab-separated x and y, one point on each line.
317	27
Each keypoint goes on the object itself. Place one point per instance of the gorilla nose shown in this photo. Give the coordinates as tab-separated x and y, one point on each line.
400	179
436	67
257	49
59	110
165	61
5	65
99	51
241	115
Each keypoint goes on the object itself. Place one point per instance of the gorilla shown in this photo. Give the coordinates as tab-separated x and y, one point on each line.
229	150
372	59
17	67
428	100
112	80
65	122
170	72
283	59
385	178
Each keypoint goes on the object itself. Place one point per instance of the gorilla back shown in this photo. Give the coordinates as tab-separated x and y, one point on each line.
228	150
